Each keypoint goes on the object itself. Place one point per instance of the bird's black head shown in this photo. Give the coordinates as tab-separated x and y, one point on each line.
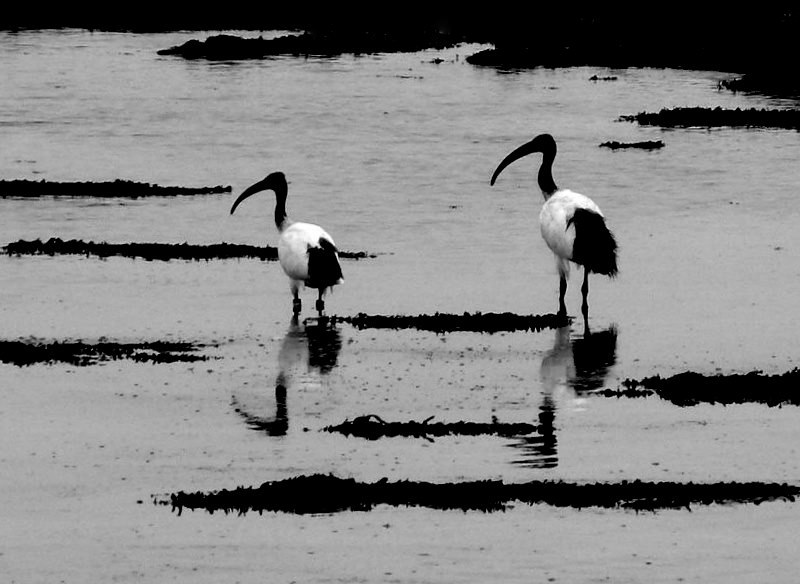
275	181
543	143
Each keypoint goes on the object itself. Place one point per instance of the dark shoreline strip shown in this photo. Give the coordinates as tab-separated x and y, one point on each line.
152	251
106	189
702	117
225	47
372	427
690	388
645	145
489	322
330	494
25	353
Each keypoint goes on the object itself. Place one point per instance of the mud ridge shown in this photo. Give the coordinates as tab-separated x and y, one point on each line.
703	117
152	251
770	81
489	322
107	189
645	145
322	43
23	353
330	494
690	388
372	427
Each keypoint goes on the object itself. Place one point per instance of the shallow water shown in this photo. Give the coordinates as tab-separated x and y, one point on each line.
392	154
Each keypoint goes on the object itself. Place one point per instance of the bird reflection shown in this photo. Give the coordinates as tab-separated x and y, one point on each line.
309	350
578	365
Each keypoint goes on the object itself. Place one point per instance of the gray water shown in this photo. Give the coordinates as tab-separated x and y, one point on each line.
392	154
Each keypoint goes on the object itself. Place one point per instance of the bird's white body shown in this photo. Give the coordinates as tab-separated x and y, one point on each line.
557	230
293	246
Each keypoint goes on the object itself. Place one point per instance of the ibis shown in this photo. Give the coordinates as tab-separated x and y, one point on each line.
307	254
572	224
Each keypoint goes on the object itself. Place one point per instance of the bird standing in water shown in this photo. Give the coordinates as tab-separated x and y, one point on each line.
572	224
306	252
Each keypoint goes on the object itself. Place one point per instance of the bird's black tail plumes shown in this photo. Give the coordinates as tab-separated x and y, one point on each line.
323	265
595	247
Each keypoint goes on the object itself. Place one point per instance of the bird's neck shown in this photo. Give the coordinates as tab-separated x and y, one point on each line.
546	182
281	220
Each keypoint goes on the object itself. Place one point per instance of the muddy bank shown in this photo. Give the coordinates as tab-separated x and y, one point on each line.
771	81
489	322
644	145
690	388
327	43
29	352
703	117
108	189
330	494
153	251
373	427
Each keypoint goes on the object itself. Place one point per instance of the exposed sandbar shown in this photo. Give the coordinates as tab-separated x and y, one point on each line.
327	43
372	427
703	117
690	388
489	322
330	494
152	251
644	145
29	352
108	189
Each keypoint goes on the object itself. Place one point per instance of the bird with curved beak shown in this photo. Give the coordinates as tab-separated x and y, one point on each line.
307	254
572	224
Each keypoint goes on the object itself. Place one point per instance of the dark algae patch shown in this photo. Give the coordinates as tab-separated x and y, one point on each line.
690	388
330	494
372	427
152	251
325	43
23	352
438	322
645	145
703	117
109	189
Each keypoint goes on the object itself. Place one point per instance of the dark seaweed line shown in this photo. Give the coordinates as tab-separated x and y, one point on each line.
645	145
331	43
106	189
330	494
489	322
372	427
686	117
152	251
25	353
690	388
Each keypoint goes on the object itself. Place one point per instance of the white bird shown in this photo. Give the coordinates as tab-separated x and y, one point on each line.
572	224
306	252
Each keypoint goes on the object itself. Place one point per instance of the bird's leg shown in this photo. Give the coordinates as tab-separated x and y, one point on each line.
297	304
320	302
562	291
585	293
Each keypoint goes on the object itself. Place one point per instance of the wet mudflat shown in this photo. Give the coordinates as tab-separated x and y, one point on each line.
708	285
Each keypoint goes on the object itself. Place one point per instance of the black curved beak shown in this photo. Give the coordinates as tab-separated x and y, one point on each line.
249	191
524	150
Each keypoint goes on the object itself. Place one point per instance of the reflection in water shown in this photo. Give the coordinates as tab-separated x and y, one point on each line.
308	351
579	365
